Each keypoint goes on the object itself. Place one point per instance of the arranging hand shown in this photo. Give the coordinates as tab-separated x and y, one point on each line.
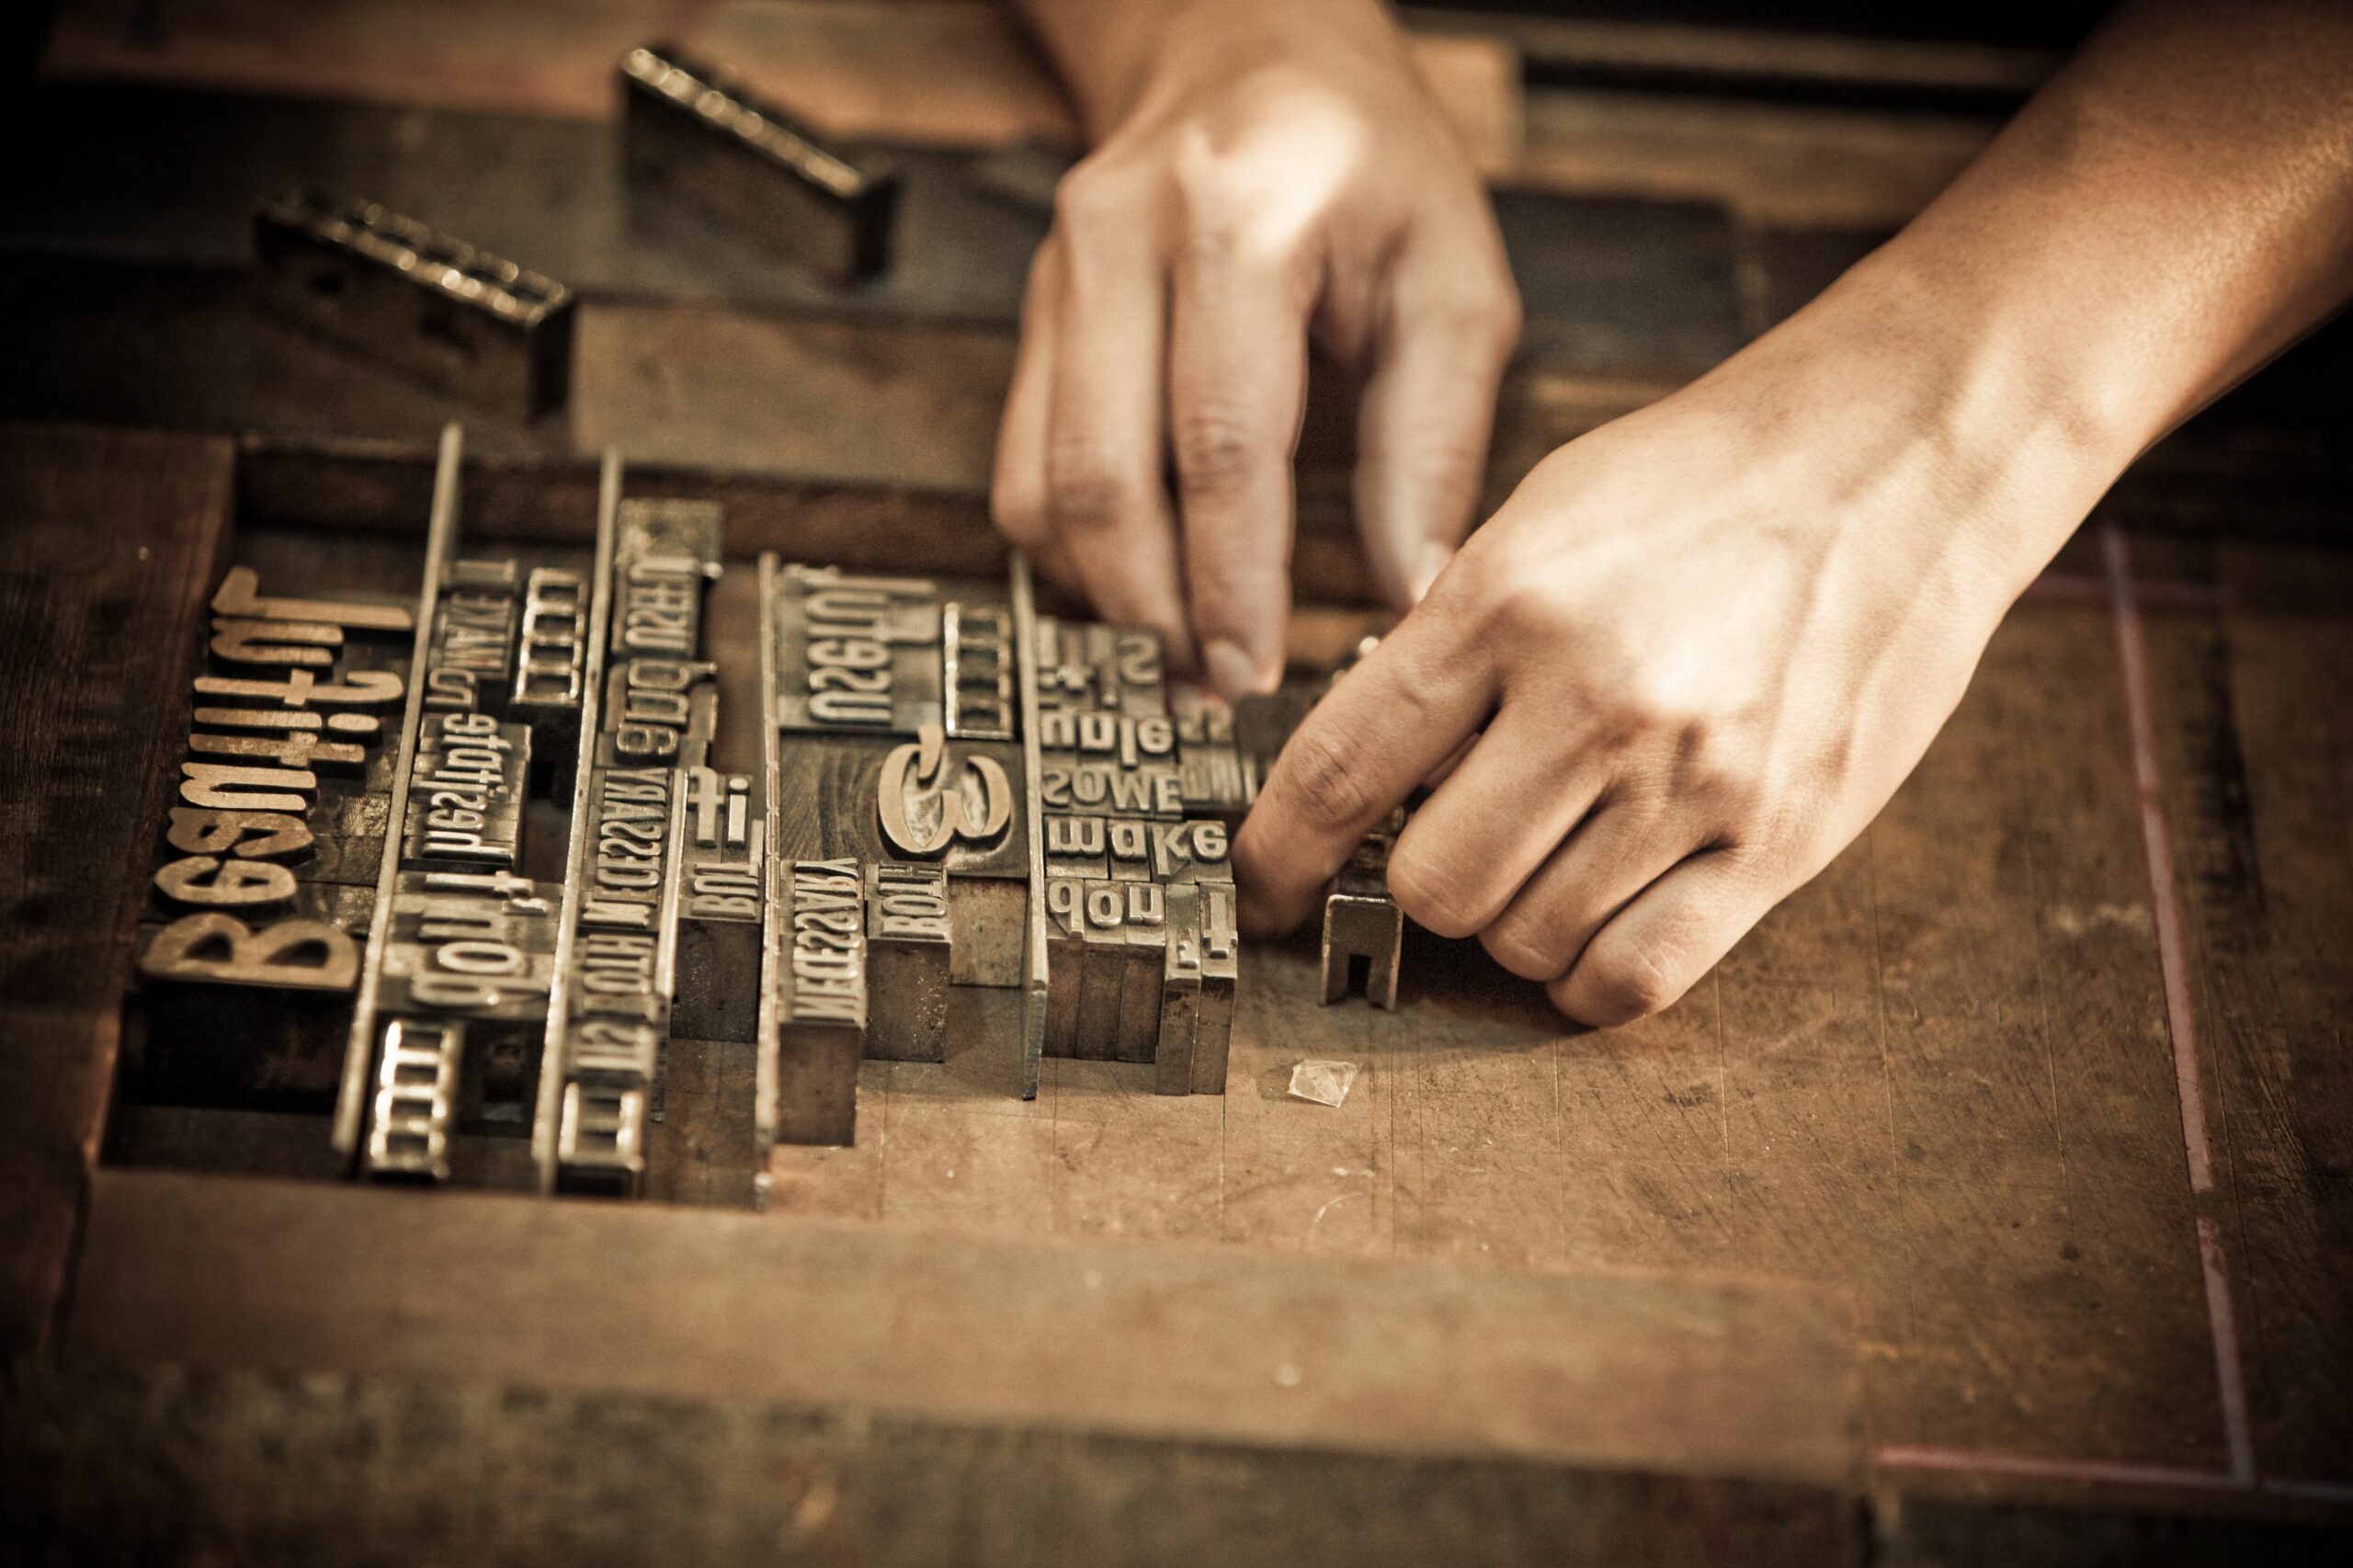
1276	171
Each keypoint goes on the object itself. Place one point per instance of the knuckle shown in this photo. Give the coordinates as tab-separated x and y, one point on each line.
1660	704
1522	952
1216	450
1471	584
1731	781
1624	986
1017	516
1326	780
1212	192
1227	219
1432	894
1094	197
1522	605
1485	314
1087	493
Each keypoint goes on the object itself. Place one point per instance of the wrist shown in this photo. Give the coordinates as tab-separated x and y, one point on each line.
2013	426
1118	57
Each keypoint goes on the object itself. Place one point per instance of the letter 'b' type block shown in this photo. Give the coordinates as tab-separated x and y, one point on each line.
909	949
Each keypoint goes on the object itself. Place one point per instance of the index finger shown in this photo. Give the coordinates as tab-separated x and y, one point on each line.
1384	729
1237	382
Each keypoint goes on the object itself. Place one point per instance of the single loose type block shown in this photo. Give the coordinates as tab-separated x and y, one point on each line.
421	303
1361	921
692	132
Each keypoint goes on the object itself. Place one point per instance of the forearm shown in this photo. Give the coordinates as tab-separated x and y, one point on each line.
2170	212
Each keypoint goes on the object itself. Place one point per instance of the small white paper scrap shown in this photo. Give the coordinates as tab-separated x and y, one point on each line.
1326	1082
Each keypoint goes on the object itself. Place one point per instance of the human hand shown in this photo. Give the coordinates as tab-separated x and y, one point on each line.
1276	172
1693	656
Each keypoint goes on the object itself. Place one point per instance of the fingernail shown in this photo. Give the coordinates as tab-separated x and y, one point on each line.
1428	564
1234	672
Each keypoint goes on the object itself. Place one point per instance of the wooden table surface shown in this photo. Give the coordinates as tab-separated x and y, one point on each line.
2001	1180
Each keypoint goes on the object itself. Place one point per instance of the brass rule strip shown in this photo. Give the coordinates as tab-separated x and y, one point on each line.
359	1055
549	1110
767	1085
1033	998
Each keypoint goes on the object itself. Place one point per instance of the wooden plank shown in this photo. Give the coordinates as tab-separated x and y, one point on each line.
124	1468
1793	166
164	175
112	540
2253	739
843	64
1928	1532
1606	284
1152	1340
518	57
868	404
1850	64
2057	1301
1301	1177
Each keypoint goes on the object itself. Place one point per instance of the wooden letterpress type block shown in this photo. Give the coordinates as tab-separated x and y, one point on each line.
421	303
465	802
1108	786
1181	992
410	1114
1146	926
818	1001
1130	845
693	134
600	1140
857	656
977	670
1191	851
954	804
1077	846
907	962
1065	960
1102	970
1220	962
720	933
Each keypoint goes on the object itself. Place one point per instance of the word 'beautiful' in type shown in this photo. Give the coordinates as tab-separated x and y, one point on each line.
289	719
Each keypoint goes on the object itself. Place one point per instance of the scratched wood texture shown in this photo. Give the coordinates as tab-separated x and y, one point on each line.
1947	1078
111	543
1941	1076
1936	1081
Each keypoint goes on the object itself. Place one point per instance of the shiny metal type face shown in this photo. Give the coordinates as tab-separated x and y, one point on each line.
423	303
692	133
1362	925
491	848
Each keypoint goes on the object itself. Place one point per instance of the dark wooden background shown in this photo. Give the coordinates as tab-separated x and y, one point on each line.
1991	1201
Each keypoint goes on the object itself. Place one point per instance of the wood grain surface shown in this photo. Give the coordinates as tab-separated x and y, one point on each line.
2043	1083
111	540
1614	1372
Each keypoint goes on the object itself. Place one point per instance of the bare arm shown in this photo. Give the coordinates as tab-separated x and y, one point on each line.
1701	647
